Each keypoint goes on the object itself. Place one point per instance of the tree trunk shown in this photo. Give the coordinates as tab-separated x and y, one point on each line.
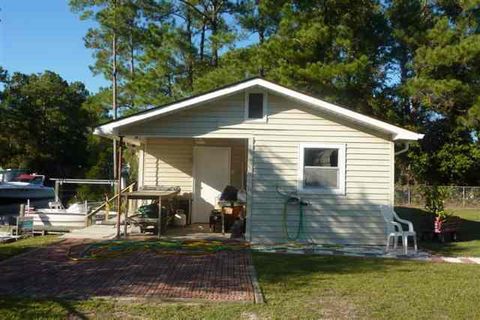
202	39
214	24
114	97
214	60
190	57
132	66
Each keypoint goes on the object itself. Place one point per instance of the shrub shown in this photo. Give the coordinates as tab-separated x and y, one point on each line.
434	200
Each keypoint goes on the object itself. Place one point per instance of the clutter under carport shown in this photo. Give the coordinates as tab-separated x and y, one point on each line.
149	216
230	215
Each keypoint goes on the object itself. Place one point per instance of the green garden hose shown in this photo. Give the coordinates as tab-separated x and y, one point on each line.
301	231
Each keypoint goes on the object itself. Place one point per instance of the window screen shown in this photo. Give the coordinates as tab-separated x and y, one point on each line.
255	106
320	168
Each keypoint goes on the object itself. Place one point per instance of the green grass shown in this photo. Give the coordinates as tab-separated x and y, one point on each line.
8	250
468	244
468	214
304	287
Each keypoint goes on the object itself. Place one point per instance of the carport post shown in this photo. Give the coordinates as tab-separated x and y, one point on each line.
126	215
159	232
119	186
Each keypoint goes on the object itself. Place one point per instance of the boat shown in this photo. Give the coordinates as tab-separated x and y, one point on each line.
56	217
18	186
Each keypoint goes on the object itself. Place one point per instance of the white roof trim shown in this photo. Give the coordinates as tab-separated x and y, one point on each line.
397	132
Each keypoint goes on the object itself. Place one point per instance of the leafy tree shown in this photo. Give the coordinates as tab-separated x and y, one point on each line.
414	63
446	84
447	65
446	157
333	49
43	124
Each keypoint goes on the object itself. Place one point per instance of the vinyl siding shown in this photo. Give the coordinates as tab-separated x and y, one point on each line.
169	162
351	218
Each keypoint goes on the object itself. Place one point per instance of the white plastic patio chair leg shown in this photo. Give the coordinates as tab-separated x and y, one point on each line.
405	244
388	243
415	243
395	242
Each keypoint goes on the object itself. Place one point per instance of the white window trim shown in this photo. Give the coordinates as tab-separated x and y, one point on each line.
341	168
264	109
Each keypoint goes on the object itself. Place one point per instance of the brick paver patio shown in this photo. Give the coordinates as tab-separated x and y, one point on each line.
49	272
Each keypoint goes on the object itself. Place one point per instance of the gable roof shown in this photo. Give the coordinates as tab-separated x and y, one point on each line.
111	128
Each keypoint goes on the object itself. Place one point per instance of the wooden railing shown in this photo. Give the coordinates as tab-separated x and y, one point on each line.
89	217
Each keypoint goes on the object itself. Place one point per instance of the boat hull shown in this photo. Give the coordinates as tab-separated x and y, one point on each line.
58	220
8	211
19	195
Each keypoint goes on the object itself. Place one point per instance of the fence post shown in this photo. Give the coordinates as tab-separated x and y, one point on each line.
463	196
409	196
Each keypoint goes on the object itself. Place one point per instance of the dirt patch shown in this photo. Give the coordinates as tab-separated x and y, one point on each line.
334	306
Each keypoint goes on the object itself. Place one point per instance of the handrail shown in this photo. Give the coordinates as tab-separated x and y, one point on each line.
97	209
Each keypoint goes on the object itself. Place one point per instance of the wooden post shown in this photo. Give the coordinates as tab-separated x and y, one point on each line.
107	208
126	215
21	215
249	189
119	189
223	220
159	217
409	195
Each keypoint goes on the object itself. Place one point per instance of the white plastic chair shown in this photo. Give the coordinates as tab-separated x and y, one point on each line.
395	229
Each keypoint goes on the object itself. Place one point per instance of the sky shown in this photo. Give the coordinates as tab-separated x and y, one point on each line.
39	35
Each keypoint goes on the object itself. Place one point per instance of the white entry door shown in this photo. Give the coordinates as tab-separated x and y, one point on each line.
212	175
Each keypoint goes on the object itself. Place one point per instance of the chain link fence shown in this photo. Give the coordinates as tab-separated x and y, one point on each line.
457	196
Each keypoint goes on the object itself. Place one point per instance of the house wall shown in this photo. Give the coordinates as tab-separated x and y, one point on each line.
169	162
351	218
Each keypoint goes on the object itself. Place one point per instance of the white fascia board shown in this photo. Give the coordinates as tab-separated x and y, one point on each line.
397	132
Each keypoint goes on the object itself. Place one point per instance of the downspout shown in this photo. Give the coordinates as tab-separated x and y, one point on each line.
405	149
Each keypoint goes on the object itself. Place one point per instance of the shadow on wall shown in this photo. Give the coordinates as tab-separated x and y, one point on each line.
183	171
354	218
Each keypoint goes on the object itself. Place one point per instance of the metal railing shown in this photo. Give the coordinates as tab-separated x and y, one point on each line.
456	196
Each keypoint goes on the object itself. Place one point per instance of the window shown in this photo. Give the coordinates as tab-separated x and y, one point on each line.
321	168
255	106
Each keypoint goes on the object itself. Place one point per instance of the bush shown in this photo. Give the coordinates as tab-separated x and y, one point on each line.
435	200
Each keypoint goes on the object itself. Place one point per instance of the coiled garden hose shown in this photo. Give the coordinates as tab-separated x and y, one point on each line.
301	228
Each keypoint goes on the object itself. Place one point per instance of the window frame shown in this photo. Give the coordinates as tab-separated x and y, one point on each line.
264	106
341	168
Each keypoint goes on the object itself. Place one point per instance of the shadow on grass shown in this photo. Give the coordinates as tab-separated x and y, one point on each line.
298	269
11	249
468	236
31	308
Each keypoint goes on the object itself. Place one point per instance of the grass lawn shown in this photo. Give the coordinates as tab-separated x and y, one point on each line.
469	234
13	248
304	287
